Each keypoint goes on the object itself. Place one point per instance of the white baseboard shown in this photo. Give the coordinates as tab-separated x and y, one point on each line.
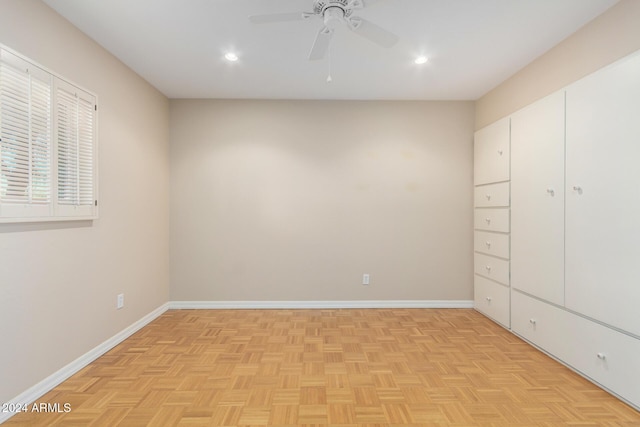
46	385
320	304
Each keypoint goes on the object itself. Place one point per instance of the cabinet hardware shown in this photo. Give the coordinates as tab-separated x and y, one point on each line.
532	321
601	356
577	189
500	152
488	299
551	192
488	196
488	244
488	267
488	220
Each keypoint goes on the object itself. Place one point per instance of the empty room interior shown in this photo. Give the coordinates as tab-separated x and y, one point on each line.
320	212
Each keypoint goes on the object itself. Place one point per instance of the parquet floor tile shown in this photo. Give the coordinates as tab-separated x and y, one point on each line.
338	368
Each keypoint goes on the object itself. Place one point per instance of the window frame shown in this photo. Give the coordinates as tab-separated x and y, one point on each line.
86	134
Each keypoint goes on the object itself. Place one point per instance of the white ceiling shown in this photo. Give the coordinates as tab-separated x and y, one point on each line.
472	45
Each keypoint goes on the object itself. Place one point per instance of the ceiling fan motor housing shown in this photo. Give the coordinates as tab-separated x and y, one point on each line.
320	6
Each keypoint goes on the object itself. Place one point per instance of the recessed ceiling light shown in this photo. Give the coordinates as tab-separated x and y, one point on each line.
421	60
230	56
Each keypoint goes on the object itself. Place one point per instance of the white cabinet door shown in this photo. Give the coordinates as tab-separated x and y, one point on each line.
491	153
537	199
603	195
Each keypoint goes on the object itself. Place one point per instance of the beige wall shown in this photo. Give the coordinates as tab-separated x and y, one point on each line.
59	281
608	37
295	200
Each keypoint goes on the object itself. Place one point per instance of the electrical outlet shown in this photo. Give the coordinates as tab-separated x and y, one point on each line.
365	279
120	302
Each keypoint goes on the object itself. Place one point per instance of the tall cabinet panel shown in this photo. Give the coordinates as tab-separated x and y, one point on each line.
491	221
537	199
491	153
603	195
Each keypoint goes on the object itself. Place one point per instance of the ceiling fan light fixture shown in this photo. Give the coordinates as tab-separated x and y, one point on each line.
231	56
334	13
421	60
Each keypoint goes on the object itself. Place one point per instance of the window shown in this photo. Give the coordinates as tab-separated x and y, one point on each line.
48	145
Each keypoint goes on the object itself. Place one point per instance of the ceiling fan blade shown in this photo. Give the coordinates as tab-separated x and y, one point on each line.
372	32
359	4
355	4
278	17
321	44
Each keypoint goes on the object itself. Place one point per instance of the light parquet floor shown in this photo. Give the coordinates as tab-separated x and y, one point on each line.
389	367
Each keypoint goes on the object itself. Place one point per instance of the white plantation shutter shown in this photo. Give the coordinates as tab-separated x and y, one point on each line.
48	145
75	135
25	138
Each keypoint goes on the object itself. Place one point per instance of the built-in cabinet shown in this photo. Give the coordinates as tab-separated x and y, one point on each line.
603	196
573	247
491	221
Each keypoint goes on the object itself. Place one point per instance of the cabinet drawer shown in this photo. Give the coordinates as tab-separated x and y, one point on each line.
491	219
491	153
540	323
492	195
492	268
608	357
491	299
491	243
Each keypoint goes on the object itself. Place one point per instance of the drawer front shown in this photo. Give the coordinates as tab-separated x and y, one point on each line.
493	195
542	324
608	357
491	219
492	268
492	300
491	243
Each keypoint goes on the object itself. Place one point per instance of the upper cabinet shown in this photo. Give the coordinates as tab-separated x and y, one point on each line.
537	199
603	195
491	153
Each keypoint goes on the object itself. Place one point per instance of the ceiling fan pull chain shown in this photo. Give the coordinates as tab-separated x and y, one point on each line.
329	79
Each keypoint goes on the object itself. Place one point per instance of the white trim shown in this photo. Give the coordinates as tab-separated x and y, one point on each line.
174	305
46	385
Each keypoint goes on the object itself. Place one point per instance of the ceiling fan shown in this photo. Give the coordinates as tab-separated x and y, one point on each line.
333	13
